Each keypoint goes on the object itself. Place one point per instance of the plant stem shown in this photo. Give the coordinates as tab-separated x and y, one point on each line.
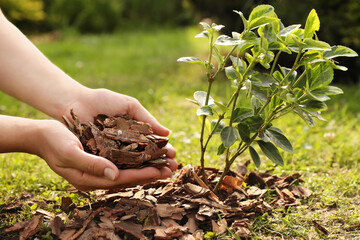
299	78
210	79
275	62
230	162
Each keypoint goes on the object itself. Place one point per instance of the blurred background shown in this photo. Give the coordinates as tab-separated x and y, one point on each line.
340	18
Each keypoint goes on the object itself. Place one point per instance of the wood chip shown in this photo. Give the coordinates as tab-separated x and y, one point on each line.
32	227
130	228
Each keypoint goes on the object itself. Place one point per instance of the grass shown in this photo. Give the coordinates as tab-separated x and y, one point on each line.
142	63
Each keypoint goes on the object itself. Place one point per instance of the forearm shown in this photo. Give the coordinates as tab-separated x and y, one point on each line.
18	134
26	74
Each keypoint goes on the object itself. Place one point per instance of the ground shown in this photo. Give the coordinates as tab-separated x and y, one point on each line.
143	64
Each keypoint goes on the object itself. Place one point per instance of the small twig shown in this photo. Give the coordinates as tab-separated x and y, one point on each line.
86	223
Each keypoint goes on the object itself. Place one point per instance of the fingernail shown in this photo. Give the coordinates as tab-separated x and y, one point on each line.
109	174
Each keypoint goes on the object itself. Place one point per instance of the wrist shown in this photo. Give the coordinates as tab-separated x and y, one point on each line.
19	134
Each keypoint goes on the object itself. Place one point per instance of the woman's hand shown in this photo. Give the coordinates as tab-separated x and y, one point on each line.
63	152
92	102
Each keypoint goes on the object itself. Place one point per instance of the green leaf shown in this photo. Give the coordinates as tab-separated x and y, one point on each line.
231	73
245	22
192	101
203	34
217	27
219	58
279	139
261	21
254	156
204	111
191	60
219	127
321	94
293	41
312	44
256	104
319	75
339	51
262	79
224	40
221	149
249	40
310	56
278	76
260	11
314	105
239	63
315	114
271	152
332	90
205	25
221	106
200	98
286	31
279	46
254	123
317	94
249	57
242	113
305	116
285	71
291	98
260	93
267	31
244	131
229	135
265	62
264	44
312	24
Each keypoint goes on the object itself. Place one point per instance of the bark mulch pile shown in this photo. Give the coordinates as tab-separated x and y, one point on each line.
126	142
178	208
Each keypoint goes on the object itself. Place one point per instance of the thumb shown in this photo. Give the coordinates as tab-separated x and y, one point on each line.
94	165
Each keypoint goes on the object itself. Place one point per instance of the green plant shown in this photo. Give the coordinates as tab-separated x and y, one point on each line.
20	10
272	91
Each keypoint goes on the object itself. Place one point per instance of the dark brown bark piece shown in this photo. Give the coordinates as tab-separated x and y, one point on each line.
32	227
86	223
131	228
56	226
319	227
15	228
301	191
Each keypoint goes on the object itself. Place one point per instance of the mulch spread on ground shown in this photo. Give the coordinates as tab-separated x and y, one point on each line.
177	208
182	207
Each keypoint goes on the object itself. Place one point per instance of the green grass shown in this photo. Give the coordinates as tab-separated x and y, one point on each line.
143	64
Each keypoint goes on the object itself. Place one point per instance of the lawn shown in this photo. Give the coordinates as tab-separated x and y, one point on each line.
142	63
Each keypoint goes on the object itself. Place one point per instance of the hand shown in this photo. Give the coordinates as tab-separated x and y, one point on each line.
64	154
92	102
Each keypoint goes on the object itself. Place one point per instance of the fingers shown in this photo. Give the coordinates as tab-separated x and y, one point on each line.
171	152
173	165
94	165
141	114
126	178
